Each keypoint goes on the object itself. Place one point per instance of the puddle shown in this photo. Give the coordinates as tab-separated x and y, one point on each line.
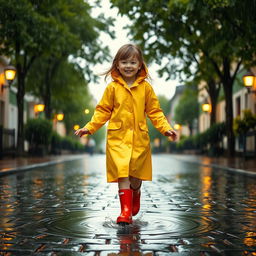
83	224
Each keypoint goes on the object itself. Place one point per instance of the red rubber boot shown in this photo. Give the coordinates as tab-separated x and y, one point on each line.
125	196
136	200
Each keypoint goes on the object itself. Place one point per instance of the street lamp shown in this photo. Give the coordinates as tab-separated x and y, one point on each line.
39	108
206	107
56	121
76	127
8	75
249	80
177	127
60	117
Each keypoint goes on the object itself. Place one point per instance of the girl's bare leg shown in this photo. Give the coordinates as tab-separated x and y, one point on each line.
135	183
124	183
135	186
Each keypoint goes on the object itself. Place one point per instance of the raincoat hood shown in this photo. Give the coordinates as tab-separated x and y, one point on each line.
142	75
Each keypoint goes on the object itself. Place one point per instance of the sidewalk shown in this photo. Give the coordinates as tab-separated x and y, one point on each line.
248	166
237	164
11	165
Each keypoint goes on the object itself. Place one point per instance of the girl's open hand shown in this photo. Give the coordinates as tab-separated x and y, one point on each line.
81	132
172	134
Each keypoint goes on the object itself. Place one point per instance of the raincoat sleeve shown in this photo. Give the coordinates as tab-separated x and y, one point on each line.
102	111
154	111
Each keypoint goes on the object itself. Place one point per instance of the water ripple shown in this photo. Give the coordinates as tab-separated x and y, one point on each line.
83	224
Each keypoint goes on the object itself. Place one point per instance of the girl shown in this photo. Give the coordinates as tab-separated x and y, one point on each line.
125	103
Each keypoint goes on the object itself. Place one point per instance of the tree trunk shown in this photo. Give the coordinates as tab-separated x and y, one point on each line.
213	90
190	128
213	113
20	105
229	119
22	65
228	90
20	100
47	96
228	81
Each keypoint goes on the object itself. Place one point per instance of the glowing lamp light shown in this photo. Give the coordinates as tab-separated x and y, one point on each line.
86	111
207	107
60	117
7	76
2	79
9	73
39	108
177	127
76	127
249	79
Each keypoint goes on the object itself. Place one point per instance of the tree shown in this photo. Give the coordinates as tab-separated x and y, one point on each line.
68	88
24	42
221	32
205	72
86	48
32	28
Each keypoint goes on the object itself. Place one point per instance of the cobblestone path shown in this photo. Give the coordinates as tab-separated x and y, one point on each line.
69	209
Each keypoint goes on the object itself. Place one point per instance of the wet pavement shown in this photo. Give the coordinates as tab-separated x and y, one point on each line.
67	208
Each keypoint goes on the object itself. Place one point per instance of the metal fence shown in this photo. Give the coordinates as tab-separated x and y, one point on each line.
7	141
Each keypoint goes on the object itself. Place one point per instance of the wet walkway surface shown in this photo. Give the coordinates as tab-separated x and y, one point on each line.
69	209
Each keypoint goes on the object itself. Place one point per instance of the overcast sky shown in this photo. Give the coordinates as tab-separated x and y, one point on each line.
161	87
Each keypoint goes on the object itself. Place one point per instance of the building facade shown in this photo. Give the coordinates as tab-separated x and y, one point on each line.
242	98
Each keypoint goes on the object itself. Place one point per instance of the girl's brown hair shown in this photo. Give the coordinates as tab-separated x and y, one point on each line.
125	52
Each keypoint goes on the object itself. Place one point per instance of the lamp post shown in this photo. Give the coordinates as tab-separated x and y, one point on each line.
206	119
56	122
249	80
8	76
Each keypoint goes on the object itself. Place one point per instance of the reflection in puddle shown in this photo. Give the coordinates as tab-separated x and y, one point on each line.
128	238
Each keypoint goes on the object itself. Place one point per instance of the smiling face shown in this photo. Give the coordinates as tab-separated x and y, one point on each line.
129	68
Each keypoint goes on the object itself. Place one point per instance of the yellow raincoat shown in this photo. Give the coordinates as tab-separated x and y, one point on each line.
128	150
